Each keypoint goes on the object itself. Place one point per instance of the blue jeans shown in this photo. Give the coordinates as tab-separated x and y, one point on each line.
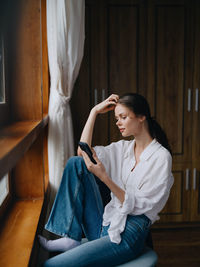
78	207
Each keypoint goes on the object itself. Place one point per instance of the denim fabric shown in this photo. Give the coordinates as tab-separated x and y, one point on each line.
102	252
78	205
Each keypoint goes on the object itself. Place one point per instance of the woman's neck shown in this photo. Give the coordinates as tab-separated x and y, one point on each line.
142	141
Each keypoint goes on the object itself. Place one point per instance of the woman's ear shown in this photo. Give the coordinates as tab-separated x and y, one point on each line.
142	118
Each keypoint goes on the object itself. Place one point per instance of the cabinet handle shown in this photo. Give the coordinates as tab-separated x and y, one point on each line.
103	94
197	100
187	179
95	97
189	99
194	178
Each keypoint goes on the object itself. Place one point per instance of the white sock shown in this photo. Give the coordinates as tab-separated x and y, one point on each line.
62	244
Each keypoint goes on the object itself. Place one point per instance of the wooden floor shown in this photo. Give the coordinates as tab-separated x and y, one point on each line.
177	247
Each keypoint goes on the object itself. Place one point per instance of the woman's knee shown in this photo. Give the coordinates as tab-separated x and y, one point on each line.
76	163
75	160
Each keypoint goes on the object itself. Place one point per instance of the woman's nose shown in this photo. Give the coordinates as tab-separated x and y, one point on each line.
118	123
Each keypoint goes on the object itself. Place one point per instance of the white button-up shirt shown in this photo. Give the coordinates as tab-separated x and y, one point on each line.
146	188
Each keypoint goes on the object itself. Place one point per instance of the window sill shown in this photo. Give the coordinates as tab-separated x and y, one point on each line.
18	232
15	140
22	218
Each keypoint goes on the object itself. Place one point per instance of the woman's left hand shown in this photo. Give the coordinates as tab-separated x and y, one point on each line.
97	169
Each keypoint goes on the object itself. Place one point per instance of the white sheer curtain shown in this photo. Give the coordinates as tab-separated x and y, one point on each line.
65	36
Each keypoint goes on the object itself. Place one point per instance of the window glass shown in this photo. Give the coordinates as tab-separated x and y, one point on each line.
4	188
2	76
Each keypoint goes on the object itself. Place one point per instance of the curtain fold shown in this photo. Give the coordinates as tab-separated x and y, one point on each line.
65	37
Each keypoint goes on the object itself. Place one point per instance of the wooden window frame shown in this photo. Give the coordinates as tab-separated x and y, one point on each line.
4	29
8	200
4	107
23	132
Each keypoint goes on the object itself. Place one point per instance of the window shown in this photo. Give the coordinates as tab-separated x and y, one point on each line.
2	72
4	101
5	28
4	188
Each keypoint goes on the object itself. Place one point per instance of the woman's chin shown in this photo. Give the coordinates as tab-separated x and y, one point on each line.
124	134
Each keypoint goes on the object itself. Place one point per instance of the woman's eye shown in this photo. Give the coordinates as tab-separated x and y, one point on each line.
123	118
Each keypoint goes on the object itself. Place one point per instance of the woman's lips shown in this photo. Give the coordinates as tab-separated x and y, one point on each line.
122	129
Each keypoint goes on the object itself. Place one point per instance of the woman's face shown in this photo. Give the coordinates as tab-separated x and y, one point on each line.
128	123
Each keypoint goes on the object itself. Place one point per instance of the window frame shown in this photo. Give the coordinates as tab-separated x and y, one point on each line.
7	201
3	69
5	107
35	139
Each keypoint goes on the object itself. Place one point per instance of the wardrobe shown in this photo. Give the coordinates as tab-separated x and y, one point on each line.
151	47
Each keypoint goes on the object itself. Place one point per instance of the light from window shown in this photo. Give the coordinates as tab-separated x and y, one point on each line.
2	74
4	188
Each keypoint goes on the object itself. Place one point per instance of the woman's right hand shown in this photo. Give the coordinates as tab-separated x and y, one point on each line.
106	105
103	107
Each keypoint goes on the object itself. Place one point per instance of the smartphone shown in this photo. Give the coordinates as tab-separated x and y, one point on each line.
84	146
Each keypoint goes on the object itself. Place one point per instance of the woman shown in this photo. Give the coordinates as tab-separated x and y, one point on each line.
138	174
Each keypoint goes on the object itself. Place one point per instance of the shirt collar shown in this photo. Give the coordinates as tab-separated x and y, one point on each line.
149	150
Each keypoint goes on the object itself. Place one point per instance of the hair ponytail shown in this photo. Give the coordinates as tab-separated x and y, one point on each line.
139	105
158	133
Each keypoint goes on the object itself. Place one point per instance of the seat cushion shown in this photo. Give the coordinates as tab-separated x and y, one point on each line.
147	259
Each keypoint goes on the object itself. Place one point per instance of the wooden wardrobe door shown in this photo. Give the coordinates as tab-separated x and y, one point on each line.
196	85
195	184
169	83
125	52
99	69
170	72
177	208
113	62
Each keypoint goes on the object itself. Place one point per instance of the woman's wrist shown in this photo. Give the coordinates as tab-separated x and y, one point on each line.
105	178
94	111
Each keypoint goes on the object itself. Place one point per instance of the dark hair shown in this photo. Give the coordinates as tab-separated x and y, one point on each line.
139	105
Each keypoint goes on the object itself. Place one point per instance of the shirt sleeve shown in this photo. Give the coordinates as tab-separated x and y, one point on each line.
151	195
